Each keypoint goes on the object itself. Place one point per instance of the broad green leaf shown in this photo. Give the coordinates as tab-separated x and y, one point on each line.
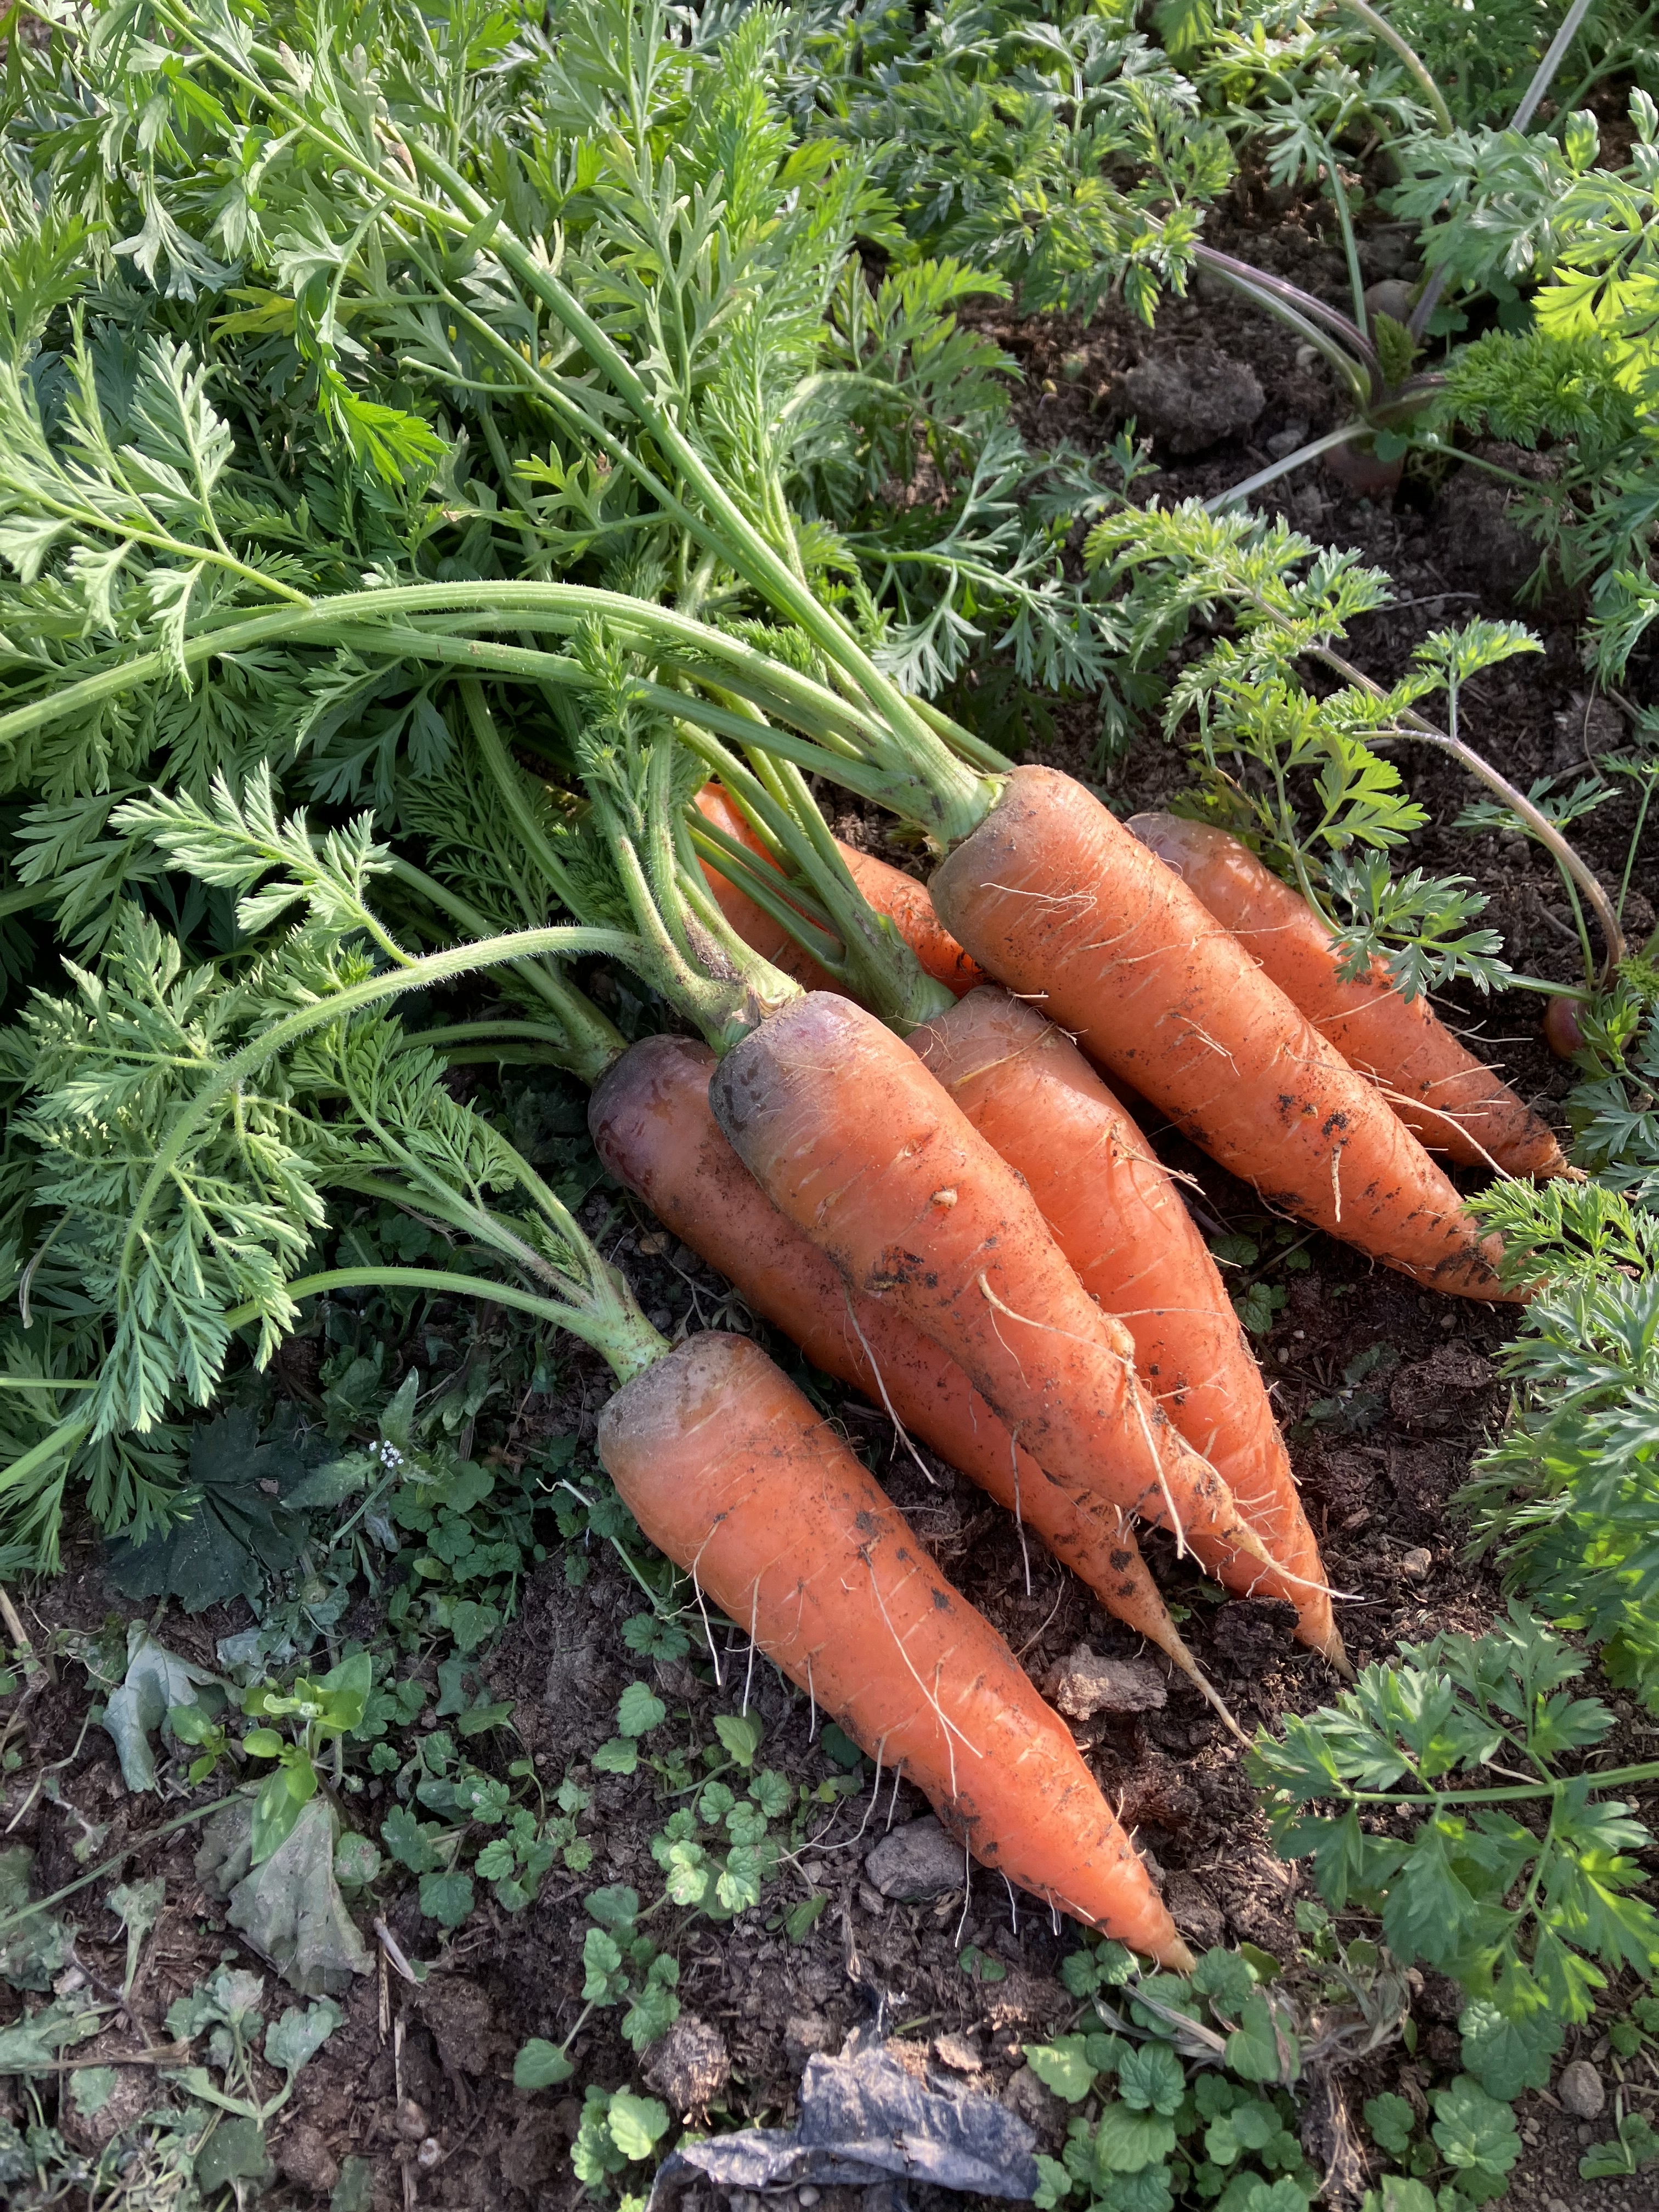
1508	2053
91	2089
409	1840
1263	2048
639	1711
1391	2121
156	1680
1476	2134
541	2065
615	1907
447	1898
1126	2141
33	2042
137	1905
235	2151
1225	1978
299	2035
38	1947
1397	2193
1151	2078
1054	2183
1062	2066
637	2123
800	1919
290	1910
741	1735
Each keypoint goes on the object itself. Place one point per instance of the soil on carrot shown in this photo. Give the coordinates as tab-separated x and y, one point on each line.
1385	1392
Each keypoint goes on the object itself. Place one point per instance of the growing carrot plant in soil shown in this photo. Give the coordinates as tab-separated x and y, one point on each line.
830	946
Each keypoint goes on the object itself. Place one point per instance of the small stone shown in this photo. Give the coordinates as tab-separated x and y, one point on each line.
915	1862
957	2053
870	1899
1580	2090
807	2196
1390	298
1418	1565
1557	2204
1306	356
1081	1685
429	2155
412	2121
1287	439
810	1872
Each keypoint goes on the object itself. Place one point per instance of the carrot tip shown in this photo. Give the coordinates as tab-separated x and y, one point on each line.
1336	1651
1175	1958
1184	1658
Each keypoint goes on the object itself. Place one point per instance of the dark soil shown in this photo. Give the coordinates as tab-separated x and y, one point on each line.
436	2062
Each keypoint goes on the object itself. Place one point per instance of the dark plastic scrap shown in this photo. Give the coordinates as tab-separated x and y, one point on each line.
865	2118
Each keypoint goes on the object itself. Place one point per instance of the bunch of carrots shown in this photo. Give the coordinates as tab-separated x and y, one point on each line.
906	1165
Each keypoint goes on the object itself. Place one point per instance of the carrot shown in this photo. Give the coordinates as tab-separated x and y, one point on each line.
752	923
1056	898
730	1471
1451	1102
1119	1219
653	1127
853	1140
889	891
910	907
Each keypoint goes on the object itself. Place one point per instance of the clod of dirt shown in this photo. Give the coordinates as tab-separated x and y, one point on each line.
1082	1686
1193	398
412	2122
957	2053
1479	538
1195	1912
304	2159
463	2023
529	2157
1443	1391
1580	2090
805	2034
1251	1633
1418	1564
692	2066
581	1682
1385	251
916	1861
1025	2097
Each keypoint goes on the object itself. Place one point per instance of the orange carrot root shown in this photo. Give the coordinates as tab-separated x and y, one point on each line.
653	1128
1063	906
856	1143
1449	1101
888	890
731	1471
1119	1219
